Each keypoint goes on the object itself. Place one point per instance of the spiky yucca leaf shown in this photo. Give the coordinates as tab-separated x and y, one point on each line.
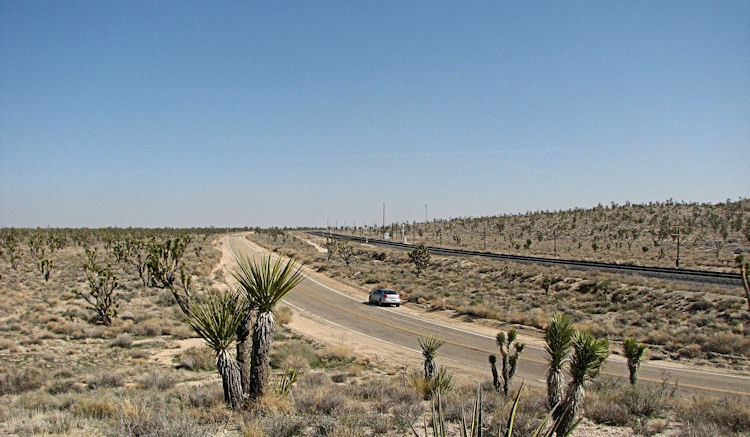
216	319
633	350
430	346
589	353
266	283
559	336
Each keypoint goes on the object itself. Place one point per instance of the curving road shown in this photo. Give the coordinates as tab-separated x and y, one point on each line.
392	326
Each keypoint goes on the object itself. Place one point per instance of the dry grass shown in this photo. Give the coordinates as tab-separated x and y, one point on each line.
61	374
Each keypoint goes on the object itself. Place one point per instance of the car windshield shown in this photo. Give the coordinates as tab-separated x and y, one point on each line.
390	293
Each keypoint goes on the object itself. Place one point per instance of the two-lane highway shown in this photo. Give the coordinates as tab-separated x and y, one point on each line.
393	327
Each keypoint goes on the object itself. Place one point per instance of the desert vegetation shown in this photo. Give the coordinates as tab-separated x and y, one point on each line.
675	320
706	236
69	368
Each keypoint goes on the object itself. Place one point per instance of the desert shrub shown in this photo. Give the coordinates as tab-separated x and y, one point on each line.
159	379
141	418
294	355
283	425
123	340
314	379
606	409
647	400
728	343
283	315
95	407
8	345
705	416
149	328
425	387
333	356
198	359
323	400
60	386
106	378
16	381
203	397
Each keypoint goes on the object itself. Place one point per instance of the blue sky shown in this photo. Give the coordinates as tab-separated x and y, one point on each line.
290	113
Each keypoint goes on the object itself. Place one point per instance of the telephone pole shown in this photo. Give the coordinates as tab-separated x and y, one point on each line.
383	219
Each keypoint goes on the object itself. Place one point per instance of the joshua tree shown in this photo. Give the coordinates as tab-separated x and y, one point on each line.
589	353
11	247
331	247
163	263
216	320
101	296
44	263
546	284
420	256
265	284
430	346
558	336
510	352
634	353
346	252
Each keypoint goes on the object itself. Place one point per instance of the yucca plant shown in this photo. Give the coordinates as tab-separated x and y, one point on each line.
475	427
265	283
216	320
510	349
558	336
430	346
634	352
589	353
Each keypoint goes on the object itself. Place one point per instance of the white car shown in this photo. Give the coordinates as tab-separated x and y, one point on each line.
382	296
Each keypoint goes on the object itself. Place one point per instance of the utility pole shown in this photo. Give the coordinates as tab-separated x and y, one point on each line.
366	234
484	237
383	219
425	213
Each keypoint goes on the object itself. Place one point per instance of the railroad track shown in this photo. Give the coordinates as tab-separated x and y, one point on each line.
689	275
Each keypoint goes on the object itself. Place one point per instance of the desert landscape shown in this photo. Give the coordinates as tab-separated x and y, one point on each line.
143	370
359	219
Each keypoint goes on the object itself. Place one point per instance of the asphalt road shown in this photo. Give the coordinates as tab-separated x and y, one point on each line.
392	326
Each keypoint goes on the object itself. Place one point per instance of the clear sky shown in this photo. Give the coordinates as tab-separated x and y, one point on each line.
185	113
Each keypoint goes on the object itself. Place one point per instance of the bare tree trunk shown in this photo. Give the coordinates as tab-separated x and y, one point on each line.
230	380
429	368
555	383
633	369
243	353
573	402
262	339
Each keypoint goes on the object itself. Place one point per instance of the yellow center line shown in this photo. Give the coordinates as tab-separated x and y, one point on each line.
479	349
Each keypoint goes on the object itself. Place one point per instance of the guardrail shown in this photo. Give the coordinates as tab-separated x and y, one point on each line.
691	275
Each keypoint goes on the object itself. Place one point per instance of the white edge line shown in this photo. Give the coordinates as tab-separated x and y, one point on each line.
678	369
